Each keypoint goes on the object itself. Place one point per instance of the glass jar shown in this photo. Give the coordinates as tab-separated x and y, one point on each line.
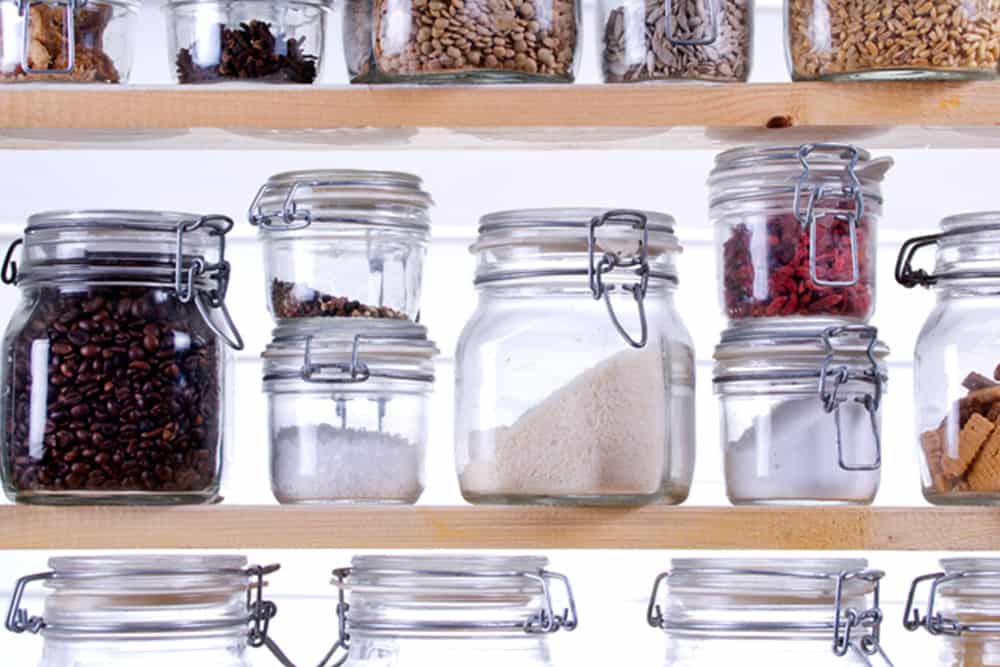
477	41
79	41
801	414
114	364
904	39
340	243
704	40
561	398
775	612
347	408
263	41
149	610
956	393
489	611
795	232
963	610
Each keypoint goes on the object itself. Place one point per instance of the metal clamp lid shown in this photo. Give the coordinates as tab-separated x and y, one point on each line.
69	26
909	277
609	261
357	370
934	621
845	624
712	18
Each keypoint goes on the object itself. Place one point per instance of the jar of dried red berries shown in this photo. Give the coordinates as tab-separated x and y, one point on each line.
796	232
114	364
343	243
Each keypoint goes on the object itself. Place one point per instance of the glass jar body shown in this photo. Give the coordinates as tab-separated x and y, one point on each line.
553	407
388	41
772	651
103	34
957	403
416	650
123	652
111	394
833	40
705	41
205	41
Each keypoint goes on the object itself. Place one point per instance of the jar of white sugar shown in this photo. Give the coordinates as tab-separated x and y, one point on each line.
801	413
347	410
575	374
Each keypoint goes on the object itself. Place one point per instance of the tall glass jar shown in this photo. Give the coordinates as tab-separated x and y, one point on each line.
114	364
795	232
150	610
962	611
575	374
488	611
801	418
348	410
779	613
343	243
957	378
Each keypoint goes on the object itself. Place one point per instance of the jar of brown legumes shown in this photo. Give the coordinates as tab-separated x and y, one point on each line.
472	41
114	363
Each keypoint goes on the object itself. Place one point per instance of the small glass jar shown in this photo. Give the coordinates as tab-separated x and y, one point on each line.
702	40
475	41
906	39
77	41
775	612
114	364
561	398
956	391
963	611
489	611
149	610
784	440
347	408
340	243
260	41
795	232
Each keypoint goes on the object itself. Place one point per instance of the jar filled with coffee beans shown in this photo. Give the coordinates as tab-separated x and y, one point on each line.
471	41
114	363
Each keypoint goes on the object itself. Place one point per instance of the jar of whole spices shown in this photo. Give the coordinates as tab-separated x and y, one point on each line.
795	232
575	374
649	40
957	360
343	243
892	39
79	41
774	612
470	41
114	363
271	41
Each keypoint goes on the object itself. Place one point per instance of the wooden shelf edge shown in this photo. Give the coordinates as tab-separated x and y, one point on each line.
723	528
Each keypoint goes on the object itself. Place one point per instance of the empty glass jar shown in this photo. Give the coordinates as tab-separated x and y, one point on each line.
795	232
801	414
115	362
575	374
150	610
341	243
957	360
347	409
413	611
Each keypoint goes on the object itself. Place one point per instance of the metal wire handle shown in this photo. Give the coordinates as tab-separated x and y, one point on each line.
610	261
24	11
909	277
934	621
713	25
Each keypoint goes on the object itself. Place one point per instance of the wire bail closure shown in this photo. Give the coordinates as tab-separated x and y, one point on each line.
609	261
289	214
851	187
69	25
909	277
840	376
934	621
357	370
713	25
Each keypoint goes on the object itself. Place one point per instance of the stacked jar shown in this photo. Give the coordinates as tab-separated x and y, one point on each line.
800	372
349	369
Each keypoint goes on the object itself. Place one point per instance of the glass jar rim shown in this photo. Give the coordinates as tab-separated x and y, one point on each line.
557	223
793	339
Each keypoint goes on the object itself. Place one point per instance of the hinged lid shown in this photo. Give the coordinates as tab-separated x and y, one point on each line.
968	249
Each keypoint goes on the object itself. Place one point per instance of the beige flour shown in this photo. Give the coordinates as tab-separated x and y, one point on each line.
604	433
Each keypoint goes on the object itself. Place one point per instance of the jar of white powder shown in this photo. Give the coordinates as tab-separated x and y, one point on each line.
575	374
801	413
347	410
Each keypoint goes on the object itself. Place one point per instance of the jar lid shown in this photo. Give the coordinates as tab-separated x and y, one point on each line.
567	229
360	354
795	340
972	585
293	200
967	249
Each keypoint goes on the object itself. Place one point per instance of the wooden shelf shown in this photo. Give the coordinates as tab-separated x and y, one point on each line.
643	116
723	528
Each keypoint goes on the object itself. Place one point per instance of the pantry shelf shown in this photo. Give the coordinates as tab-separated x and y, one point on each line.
722	528
886	114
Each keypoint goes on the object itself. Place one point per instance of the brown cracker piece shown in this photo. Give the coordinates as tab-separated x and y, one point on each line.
976	381
984	474
932	444
970	440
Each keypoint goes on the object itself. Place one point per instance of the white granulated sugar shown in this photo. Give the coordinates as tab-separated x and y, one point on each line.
327	464
603	433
